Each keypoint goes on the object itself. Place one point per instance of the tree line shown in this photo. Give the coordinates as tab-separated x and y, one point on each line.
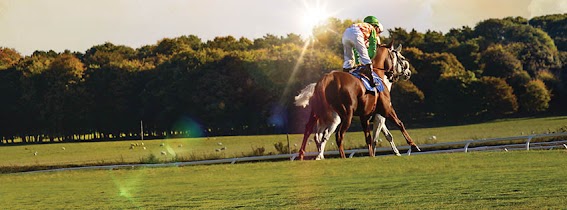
185	86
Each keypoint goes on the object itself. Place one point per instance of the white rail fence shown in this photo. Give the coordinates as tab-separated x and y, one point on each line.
502	144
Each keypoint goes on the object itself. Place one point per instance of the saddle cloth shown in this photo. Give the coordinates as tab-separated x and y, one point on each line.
377	80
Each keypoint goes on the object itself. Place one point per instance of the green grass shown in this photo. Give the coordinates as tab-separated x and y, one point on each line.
482	180
183	149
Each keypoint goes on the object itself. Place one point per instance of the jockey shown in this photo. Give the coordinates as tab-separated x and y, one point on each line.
362	37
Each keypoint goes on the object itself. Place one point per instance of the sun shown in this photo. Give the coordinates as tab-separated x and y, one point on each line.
314	15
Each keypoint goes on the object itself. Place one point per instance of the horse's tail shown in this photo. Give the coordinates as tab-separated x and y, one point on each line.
303	98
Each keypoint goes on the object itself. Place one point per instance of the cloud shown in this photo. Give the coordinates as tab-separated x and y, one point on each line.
78	25
543	7
454	14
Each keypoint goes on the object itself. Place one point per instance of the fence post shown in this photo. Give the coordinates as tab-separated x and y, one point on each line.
467	146
351	155
528	143
293	157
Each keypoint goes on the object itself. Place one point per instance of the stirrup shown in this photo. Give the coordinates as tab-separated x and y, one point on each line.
370	80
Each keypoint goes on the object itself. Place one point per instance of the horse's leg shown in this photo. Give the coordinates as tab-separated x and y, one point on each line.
365	122
390	139
345	124
326	134
380	125
307	132
391	115
379	121
320	140
320	143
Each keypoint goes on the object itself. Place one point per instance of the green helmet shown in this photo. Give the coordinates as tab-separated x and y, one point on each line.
372	20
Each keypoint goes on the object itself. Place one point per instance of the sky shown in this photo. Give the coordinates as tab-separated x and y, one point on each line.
77	25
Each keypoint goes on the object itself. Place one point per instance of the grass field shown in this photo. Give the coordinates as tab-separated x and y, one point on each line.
181	149
481	180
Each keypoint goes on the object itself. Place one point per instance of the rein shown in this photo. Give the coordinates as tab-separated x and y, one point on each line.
391	54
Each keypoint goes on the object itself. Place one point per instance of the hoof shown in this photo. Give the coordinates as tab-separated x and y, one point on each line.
416	148
398	154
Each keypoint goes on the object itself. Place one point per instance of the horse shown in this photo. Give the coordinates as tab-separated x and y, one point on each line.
402	72
338	96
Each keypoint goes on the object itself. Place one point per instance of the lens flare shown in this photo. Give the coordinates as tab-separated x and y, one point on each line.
128	184
188	127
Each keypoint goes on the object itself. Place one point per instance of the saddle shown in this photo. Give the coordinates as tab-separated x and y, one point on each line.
375	78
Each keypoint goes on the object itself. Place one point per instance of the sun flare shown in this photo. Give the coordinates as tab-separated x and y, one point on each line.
314	15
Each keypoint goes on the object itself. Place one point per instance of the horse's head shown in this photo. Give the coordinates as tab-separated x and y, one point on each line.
401	65
393	62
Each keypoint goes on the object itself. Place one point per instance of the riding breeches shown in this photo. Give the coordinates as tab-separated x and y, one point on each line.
354	39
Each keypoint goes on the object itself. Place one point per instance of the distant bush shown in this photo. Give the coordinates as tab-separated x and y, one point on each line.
258	151
283	148
150	159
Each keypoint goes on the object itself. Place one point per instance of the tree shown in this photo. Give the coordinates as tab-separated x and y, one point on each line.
532	46
8	57
62	110
518	81
555	26
11	107
408	99
107	55
467	53
430	67
498	62
452	100
329	35
229	43
536	98
401	36
463	34
434	41
495	96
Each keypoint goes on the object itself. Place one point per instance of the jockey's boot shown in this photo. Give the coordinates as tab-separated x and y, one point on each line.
367	71
347	69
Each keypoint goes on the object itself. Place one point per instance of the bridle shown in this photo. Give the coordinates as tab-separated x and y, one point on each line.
399	65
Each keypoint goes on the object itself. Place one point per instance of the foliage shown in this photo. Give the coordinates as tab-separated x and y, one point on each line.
533	47
411	39
536	98
150	159
329	35
430	67
467	53
407	99
184	86
283	148
555	26
495	96
8	57
452	100
258	151
498	62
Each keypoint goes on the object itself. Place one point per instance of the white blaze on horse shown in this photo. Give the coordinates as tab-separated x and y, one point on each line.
338	96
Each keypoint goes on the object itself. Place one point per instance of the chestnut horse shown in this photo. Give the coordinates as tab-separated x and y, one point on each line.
338	96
